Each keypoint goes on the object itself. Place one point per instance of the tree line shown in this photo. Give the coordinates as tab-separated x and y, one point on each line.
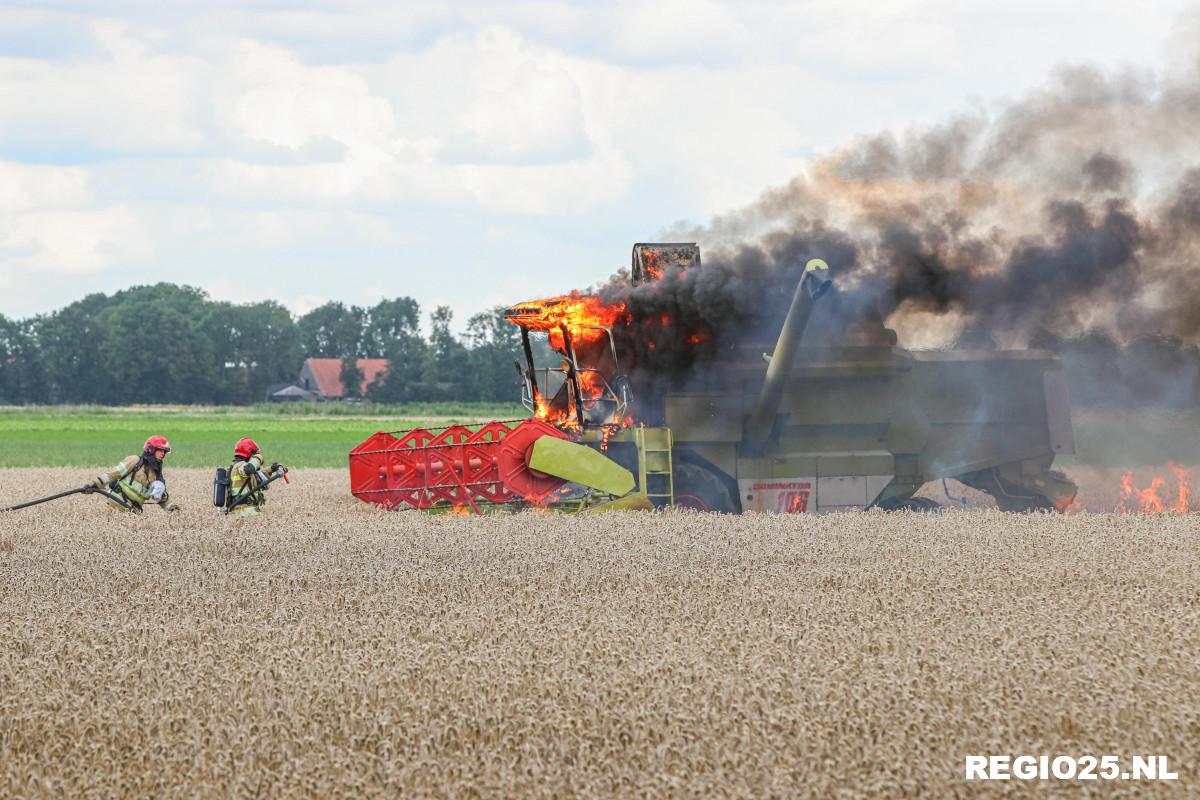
173	344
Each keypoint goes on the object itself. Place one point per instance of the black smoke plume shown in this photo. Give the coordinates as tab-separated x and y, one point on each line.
1072	212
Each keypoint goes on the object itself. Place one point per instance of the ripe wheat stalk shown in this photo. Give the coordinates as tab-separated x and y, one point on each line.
332	649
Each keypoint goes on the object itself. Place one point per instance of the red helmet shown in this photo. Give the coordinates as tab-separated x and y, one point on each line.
245	447
157	443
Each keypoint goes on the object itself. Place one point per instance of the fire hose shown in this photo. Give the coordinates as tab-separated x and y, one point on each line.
88	489
245	496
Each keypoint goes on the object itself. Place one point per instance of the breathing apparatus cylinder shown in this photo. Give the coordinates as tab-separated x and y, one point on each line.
221	488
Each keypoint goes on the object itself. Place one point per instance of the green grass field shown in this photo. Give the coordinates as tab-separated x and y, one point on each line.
204	437
321	435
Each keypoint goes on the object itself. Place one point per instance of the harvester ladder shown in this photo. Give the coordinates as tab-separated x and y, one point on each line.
655	477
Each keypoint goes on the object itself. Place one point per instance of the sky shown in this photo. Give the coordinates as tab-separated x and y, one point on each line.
464	154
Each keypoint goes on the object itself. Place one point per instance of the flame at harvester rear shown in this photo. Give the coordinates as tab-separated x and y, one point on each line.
654	403
1149	500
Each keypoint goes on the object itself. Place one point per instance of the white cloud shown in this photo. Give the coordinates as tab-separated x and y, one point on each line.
533	113
50	222
879	47
71	242
301	304
347	21
135	100
365	143
289	104
572	187
29	187
688	30
363	180
232	290
497	123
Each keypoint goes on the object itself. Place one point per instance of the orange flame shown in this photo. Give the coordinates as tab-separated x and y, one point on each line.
583	317
1073	506
1185	490
654	270
591	385
1148	500
580	314
559	417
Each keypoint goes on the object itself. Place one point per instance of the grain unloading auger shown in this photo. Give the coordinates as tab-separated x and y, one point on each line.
853	423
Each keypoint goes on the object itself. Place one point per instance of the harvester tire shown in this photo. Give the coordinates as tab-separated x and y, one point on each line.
1012	496
1035	503
911	504
698	488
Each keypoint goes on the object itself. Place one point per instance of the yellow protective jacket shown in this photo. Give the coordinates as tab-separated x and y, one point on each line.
244	477
134	480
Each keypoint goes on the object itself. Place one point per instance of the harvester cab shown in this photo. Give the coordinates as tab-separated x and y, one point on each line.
586	389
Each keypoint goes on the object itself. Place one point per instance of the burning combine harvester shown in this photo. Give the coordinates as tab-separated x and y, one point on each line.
807	428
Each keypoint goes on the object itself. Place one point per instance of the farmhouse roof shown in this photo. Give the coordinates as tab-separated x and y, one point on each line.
326	374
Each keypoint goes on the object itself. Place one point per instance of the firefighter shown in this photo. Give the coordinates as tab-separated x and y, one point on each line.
246	474
139	479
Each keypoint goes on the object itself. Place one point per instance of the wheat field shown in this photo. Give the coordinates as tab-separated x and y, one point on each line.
330	649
